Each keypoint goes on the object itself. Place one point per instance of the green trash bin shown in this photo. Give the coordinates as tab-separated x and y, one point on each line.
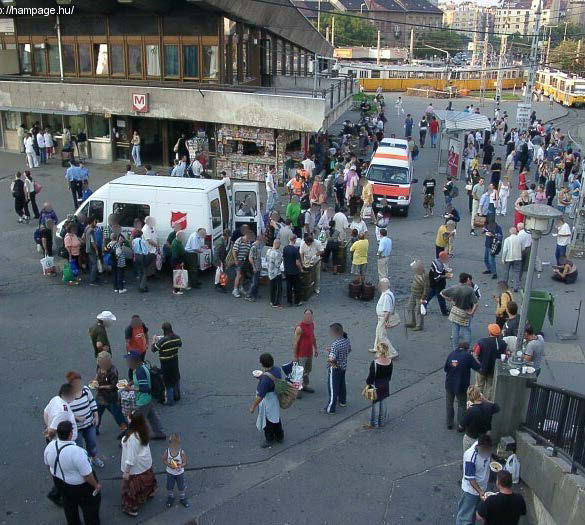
540	304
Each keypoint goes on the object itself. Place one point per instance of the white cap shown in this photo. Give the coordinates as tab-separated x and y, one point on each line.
106	315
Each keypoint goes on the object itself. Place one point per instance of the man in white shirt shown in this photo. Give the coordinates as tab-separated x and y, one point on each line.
476	474
341	224
309	165
325	219
56	411
29	150
526	243
73	476
197	168
563	236
194	246
180	168
285	233
384	251
385	308
272	198
310	251
42	147
512	258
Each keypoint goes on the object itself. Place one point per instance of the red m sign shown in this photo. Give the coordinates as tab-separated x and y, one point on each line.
140	102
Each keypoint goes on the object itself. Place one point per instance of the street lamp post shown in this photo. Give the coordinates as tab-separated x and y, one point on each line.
539	220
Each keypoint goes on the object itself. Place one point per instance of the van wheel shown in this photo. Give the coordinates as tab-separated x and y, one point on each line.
405	211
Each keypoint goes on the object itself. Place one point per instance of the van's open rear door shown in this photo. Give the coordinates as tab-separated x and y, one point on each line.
246	203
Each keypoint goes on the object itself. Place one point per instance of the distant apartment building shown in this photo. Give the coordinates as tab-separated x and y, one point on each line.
575	12
467	17
519	17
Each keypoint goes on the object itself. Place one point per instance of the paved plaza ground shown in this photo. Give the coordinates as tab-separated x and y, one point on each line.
329	470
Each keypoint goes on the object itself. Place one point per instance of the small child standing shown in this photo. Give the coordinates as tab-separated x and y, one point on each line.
175	460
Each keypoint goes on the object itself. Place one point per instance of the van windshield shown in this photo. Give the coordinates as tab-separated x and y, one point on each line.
388	174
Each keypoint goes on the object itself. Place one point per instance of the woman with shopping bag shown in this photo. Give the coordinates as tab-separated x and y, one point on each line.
378	385
180	276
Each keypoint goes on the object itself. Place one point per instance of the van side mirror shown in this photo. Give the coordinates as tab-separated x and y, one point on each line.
414	181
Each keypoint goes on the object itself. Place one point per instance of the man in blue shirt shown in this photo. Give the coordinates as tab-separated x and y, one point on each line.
74	178
384	251
458	368
336	367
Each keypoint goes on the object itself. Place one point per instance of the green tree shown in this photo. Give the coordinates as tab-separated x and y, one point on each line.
558	34
566	58
349	31
451	41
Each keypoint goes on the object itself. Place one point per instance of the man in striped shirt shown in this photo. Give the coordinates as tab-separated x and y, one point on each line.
336	367
167	347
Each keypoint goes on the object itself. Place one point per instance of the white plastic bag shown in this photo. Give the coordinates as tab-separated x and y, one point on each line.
296	375
423	309
48	265
513	467
180	279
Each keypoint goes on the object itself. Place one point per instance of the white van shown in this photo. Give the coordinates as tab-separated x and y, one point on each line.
198	203
391	173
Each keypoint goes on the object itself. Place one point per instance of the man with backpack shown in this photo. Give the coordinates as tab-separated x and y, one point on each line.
142	385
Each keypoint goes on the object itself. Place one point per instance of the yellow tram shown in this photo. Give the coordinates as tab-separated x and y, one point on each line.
565	88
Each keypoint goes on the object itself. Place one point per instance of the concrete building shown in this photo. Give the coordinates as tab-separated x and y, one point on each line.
391	18
467	17
575	12
237	81
518	17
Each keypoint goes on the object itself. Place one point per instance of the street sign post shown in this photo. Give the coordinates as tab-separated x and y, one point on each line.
523	115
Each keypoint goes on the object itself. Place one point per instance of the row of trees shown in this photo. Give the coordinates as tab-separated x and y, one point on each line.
354	31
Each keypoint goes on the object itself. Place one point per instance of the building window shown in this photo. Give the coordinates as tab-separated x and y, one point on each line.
152	60
85	59
210	62
97	126
190	61
25	61
12	120
100	57
117	59
235	76
54	63
39	58
68	58
171	60
135	60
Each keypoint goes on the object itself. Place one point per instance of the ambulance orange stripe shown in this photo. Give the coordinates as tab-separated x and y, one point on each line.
391	191
390	156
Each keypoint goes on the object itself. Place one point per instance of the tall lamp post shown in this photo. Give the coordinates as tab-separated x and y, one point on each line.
538	220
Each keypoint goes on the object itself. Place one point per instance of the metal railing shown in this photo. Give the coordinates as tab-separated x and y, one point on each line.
556	417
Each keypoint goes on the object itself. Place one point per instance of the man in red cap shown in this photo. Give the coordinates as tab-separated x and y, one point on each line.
487	350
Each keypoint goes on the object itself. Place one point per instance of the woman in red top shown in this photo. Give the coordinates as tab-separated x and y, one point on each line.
434	131
305	347
522	181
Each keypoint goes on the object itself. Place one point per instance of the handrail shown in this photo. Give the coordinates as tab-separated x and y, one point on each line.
556	417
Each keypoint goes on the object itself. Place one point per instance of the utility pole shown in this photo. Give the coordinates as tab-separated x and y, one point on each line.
501	64
319	16
475	53
545	59
333	31
378	52
327	33
524	108
411	43
484	65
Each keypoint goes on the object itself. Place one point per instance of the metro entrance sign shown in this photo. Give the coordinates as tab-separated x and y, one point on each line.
140	102
523	115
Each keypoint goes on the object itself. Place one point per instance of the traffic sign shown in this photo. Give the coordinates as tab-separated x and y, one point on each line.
523	115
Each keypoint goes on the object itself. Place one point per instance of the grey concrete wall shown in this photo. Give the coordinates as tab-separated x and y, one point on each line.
9	62
561	494
294	113
512	395
294	82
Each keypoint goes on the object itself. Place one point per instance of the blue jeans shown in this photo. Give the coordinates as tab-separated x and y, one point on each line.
560	251
489	260
179	480
93	273
43	152
433	139
336	388
136	155
378	414
89	436
173	393
514	267
115	410
442	304
254	286
272	201
119	283
459	334
466	510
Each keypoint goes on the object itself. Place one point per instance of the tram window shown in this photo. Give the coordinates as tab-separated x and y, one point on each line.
375	73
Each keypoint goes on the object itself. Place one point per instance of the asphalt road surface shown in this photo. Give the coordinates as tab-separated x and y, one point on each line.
329	470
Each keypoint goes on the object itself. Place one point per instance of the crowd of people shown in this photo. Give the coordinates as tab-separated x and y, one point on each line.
331	214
